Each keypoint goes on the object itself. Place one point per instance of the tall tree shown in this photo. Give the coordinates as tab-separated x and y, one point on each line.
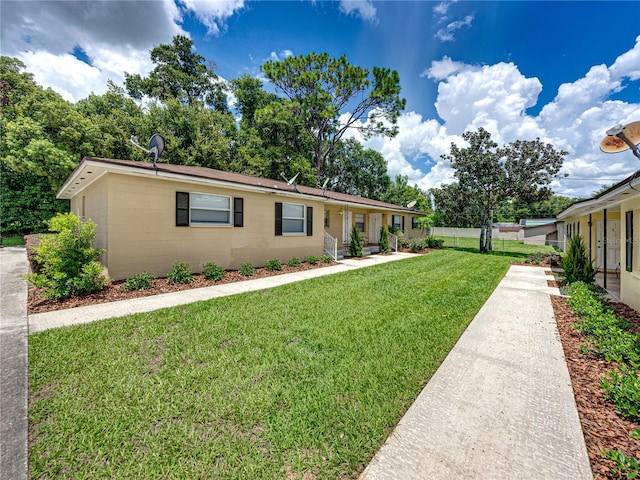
453	207
329	95
42	133
181	74
358	171
401	193
488	174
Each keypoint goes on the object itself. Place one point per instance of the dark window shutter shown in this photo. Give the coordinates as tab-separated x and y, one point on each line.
629	238
278	218
309	221
402	223
238	212
182	209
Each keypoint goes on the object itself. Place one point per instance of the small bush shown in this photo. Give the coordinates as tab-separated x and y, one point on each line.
311	259
384	239
355	247
577	267
246	270
626	466
141	281
67	263
273	265
180	273
623	389
211	271
433	242
326	258
294	262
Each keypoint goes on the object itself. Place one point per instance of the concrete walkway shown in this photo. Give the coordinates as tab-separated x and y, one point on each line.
501	405
13	364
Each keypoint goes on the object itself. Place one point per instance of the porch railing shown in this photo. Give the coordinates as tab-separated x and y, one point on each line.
393	242
331	246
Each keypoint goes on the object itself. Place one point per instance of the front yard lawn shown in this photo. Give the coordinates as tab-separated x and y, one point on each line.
301	381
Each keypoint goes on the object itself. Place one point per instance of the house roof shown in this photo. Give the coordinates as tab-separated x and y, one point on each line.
609	199
90	169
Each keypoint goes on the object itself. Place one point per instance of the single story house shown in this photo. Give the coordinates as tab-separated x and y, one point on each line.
540	231
150	217
609	223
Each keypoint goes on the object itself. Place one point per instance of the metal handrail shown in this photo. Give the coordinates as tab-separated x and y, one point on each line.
393	242
331	246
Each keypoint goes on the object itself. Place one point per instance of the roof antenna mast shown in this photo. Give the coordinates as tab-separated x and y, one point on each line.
156	147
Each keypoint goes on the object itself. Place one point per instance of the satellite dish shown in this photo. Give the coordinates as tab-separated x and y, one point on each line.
289	182
324	185
412	204
156	146
621	138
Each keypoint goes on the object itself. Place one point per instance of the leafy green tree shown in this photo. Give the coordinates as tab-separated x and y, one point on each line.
41	132
320	89
400	192
489	175
180	74
26	202
355	170
117	117
453	207
250	97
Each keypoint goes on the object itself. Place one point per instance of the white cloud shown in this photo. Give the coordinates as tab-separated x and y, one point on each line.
361	8
278	57
446	34
213	14
442	69
443	7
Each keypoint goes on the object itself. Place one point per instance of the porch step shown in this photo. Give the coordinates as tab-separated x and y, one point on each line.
366	251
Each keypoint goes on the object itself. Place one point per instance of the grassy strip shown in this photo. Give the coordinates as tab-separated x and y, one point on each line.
308	377
512	247
12	241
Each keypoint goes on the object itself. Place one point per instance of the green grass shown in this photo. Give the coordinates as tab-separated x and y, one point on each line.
12	240
511	247
307	377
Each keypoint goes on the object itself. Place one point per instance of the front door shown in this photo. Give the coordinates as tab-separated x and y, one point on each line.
346	227
375	223
613	244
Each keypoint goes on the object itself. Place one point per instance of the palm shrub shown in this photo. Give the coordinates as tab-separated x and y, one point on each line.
384	239
577	267
355	247
67	261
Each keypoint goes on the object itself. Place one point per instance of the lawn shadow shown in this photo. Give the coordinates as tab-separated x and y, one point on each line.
497	253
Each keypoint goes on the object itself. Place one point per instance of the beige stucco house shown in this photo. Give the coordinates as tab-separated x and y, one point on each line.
610	226
149	218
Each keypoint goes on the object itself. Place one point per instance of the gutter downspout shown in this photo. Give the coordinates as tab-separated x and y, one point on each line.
604	253
590	238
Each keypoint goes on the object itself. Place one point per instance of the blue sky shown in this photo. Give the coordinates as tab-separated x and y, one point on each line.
561	71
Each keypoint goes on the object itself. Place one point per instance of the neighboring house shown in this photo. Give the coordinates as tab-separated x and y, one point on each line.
149	218
610	226
540	231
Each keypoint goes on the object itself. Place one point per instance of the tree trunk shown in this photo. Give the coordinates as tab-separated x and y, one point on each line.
482	232
488	235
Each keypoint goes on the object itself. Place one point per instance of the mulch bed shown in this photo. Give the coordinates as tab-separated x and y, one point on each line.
115	291
601	426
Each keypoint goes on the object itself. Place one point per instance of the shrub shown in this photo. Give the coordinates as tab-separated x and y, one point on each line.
141	281
246	270
67	262
623	389
355	247
577	267
384	239
180	273
326	258
433	242
311	259
211	271
273	265
294	262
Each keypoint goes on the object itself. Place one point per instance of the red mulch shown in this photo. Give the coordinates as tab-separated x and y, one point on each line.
115	291
601	426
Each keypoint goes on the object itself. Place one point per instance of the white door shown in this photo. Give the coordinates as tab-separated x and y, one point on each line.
346	227
613	244
375	223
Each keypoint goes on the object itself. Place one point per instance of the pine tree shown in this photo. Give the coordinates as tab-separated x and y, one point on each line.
355	247
577	267
384	239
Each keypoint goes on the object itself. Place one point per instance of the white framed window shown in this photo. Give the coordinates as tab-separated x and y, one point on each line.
207	209
293	218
